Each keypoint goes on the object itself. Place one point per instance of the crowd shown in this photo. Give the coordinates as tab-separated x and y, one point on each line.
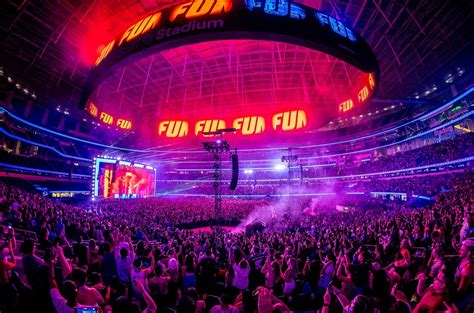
374	162
426	184
132	256
446	150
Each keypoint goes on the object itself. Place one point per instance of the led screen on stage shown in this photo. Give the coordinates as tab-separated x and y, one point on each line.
114	179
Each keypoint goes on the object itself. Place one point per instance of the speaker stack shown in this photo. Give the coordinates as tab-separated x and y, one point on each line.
235	172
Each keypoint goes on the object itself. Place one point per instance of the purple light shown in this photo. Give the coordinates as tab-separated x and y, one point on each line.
280	167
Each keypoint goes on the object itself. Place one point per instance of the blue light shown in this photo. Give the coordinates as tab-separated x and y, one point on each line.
337	26
249	196
280	167
74	191
441	108
280	9
467	159
2	110
254	168
272	8
96	174
395	143
251	4
420	118
41	145
356	151
448	104
388	193
421	197
40	170
297	12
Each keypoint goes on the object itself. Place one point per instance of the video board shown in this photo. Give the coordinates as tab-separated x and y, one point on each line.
117	179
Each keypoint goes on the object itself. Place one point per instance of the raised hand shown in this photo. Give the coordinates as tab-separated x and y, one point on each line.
394	290
139	284
327	297
451	308
265	301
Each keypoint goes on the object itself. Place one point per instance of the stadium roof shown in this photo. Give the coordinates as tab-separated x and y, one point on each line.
52	43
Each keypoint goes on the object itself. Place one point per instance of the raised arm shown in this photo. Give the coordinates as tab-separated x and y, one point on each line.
306	267
341	297
13	240
344	278
12	254
64	239
152	265
150	304
266	265
52	280
399	295
65	266
421	286
232	257
327	301
131	250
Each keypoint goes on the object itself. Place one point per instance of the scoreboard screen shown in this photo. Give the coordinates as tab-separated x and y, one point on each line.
115	179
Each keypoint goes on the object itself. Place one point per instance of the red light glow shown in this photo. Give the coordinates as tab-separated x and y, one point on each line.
261	88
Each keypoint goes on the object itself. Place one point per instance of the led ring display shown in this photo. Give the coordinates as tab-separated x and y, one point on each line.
202	21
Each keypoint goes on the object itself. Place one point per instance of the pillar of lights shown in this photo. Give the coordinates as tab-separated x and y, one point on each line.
217	148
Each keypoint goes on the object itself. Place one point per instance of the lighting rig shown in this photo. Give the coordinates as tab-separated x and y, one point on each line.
217	148
291	160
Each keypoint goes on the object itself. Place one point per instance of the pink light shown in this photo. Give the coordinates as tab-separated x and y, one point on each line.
227	79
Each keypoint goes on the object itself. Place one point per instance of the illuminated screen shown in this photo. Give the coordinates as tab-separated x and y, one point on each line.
115	179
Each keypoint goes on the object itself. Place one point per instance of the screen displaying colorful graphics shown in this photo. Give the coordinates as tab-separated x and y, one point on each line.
233	16
115	179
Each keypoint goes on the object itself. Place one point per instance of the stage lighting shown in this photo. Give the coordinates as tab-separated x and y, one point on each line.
248	171
289	158
217	146
279	167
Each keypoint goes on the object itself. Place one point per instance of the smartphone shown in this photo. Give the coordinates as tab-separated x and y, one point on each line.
91	309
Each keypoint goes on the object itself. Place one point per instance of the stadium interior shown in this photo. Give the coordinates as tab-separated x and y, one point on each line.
236	156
